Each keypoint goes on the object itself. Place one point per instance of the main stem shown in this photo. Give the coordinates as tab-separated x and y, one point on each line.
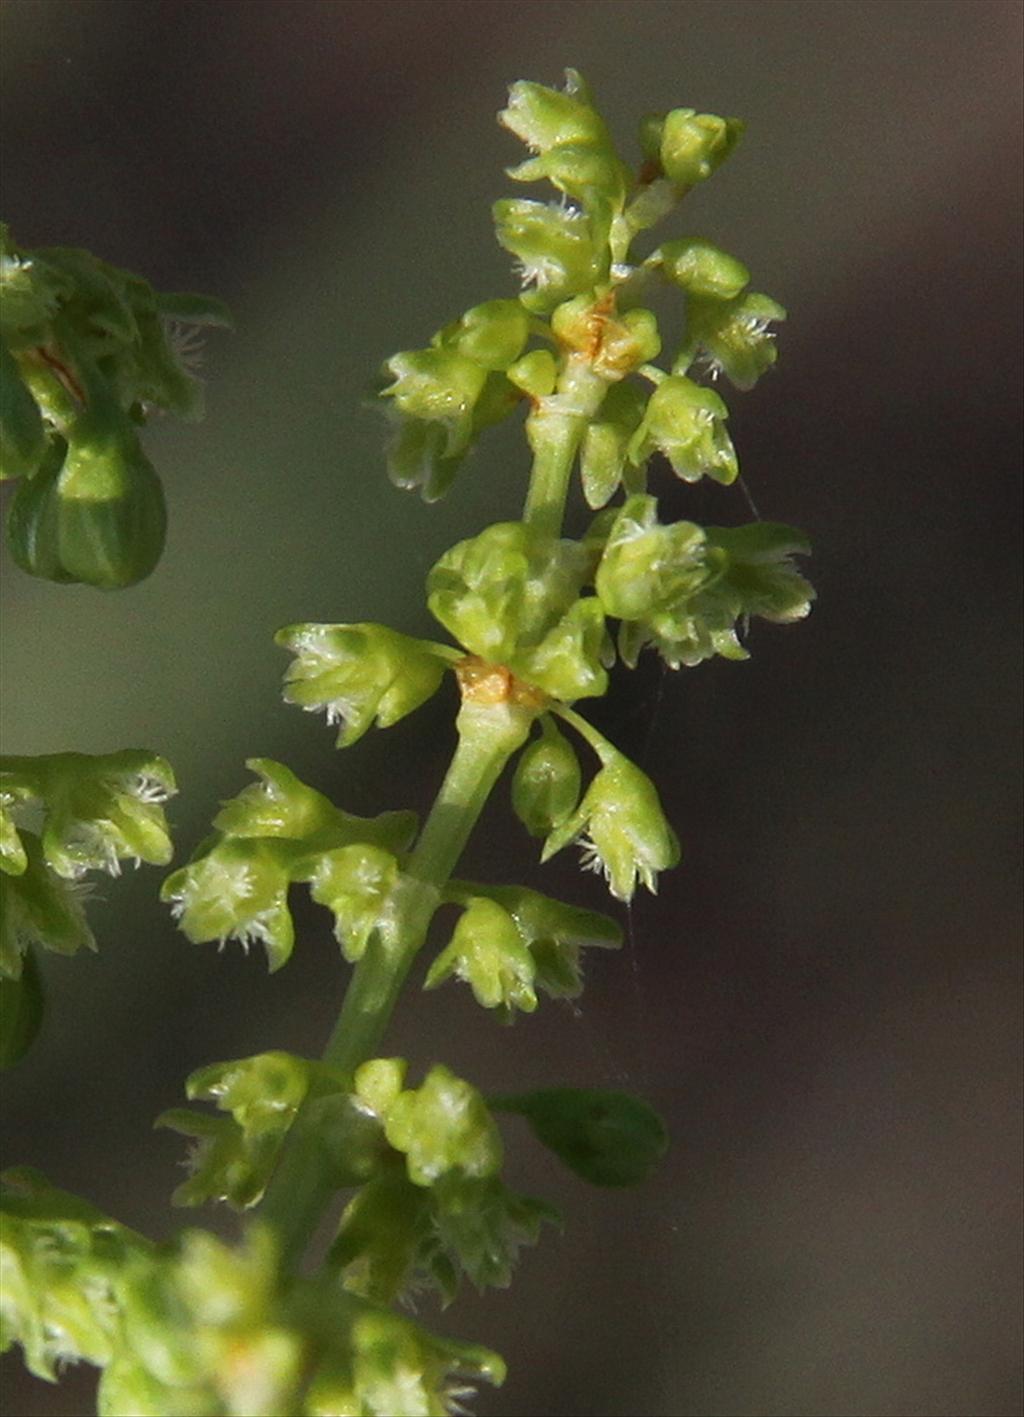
488	735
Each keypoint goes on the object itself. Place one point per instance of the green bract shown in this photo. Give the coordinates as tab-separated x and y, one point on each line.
359	674
272	834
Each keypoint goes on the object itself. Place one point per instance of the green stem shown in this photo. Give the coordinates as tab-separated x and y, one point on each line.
488	735
555	429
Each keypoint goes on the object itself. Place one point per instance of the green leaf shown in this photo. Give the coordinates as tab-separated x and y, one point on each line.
608	1138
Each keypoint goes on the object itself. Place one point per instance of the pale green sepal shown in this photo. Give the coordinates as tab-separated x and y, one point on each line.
732	337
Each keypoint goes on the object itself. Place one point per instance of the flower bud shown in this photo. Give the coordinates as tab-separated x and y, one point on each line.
360	674
536	373
702	269
546	782
686	422
623	829
487	952
688	145
492	335
438	386
545	118
100	517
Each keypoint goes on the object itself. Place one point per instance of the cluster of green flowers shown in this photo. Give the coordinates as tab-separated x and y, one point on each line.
537	619
88	352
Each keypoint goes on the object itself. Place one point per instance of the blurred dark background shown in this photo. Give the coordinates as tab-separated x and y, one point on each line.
824	1000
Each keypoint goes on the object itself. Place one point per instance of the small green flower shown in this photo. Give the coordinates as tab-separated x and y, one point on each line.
732	336
443	1126
274	833
554	933
99	810
621	827
360	674
647	567
488	952
686	422
510	596
555	247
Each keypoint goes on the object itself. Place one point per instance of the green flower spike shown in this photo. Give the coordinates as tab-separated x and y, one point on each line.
621	827
360	674
686	422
